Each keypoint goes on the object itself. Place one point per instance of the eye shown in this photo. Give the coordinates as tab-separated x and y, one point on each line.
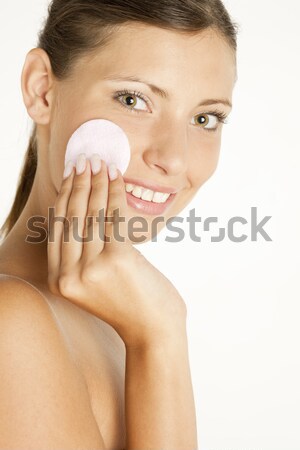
209	121
132	100
206	120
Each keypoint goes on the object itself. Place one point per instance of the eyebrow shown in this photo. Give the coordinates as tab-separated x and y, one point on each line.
164	94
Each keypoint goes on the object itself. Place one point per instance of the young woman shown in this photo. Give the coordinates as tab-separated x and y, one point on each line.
93	343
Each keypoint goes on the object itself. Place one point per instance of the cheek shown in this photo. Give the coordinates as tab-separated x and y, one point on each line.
59	136
204	161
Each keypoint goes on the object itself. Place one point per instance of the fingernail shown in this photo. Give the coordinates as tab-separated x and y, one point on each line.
68	169
112	172
80	163
95	163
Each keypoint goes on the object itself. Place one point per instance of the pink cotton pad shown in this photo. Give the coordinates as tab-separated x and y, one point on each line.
103	137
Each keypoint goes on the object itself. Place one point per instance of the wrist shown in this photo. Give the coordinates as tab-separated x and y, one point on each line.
168	340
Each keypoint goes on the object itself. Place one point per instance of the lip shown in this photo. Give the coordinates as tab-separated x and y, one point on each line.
146	207
152	186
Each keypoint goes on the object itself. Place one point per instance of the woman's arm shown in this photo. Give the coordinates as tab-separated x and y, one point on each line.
116	283
159	403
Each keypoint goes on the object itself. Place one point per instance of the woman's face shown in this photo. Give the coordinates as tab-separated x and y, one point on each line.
174	136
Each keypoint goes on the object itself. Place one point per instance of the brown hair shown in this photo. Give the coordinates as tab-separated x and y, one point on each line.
77	27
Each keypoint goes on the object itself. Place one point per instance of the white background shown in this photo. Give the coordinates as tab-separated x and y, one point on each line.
242	298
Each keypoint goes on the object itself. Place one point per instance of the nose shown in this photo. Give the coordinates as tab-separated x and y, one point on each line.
167	150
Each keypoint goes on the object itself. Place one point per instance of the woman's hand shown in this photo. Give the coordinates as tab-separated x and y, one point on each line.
111	280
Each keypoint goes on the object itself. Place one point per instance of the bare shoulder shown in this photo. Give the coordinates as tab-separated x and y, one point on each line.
22	300
24	313
44	401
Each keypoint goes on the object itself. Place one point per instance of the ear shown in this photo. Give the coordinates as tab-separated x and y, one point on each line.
36	82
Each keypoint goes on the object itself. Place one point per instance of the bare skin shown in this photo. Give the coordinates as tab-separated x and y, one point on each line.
168	148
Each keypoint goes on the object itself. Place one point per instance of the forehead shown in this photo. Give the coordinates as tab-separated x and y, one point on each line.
171	57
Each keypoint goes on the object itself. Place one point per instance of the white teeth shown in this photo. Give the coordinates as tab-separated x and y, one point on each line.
166	196
159	197
146	194
129	187
137	192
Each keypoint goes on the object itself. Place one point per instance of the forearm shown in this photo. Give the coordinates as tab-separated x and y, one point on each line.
159	402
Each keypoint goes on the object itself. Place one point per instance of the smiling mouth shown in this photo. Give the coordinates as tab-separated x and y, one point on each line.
147	194
149	207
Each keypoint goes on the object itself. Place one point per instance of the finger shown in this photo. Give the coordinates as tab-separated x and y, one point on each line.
95	226
76	212
56	229
116	227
